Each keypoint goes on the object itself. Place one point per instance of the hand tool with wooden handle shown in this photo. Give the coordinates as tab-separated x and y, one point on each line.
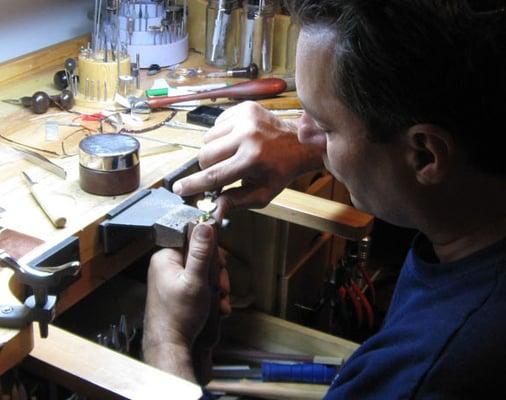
255	89
48	201
251	90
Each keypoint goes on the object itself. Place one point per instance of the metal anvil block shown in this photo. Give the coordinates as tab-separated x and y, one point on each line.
157	214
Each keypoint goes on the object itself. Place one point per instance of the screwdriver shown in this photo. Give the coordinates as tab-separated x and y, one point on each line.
40	101
250	72
47	202
277	372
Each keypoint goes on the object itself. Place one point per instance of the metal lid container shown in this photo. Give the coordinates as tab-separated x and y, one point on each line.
109	164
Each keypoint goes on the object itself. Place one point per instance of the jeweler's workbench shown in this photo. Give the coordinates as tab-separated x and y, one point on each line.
85	211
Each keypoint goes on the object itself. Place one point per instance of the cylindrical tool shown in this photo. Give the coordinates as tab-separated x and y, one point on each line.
109	164
47	201
251	90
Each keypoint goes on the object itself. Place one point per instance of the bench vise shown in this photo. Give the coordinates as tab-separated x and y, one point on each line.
40	306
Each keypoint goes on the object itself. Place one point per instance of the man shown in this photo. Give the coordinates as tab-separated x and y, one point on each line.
404	102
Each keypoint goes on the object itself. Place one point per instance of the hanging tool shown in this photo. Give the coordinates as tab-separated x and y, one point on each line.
349	305
47	201
40	101
255	89
350	272
364	303
363	251
40	306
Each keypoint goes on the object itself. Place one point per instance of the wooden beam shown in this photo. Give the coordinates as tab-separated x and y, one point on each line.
320	214
98	372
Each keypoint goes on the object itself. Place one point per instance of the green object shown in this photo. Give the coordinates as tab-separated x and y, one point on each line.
157	92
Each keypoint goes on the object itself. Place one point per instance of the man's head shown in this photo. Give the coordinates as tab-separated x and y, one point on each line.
398	63
426	75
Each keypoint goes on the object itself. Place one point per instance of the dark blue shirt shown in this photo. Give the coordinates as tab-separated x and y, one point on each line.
443	337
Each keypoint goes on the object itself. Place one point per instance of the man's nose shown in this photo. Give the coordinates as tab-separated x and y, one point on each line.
310	133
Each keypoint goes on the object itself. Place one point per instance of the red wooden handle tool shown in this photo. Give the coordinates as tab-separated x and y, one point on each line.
251	90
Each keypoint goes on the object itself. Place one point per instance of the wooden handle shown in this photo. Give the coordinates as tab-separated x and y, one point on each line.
50	204
255	89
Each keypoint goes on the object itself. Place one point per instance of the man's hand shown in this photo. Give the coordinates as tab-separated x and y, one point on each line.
249	143
181	300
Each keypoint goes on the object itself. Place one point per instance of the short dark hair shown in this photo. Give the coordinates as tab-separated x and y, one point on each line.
403	62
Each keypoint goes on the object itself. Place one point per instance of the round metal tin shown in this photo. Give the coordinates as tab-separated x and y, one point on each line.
109	164
109	152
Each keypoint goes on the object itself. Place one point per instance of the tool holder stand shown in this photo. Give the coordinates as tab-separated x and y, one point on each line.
40	306
98	80
156	42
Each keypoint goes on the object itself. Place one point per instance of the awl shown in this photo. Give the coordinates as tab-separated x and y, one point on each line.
47	201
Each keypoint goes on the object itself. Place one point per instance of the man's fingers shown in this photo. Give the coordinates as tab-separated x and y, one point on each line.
218	150
219	130
200	254
241	197
228	114
167	258
215	177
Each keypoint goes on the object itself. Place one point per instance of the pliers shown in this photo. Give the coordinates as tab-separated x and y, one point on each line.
364	303
369	282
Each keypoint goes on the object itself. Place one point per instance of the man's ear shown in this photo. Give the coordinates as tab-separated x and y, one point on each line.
431	151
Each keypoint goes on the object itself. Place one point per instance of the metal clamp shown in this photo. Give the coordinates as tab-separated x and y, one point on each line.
40	306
